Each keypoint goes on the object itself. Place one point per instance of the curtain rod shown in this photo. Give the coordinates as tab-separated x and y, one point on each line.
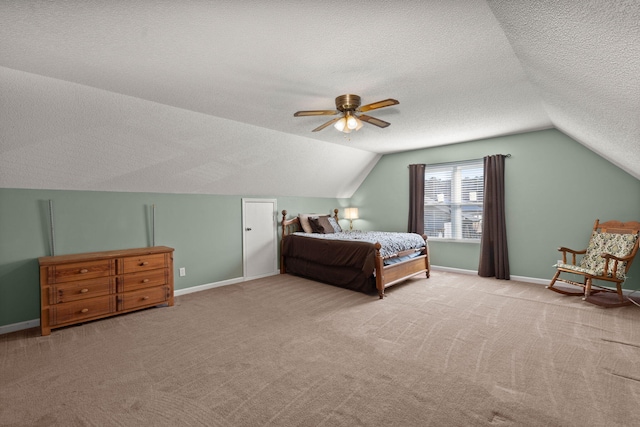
461	161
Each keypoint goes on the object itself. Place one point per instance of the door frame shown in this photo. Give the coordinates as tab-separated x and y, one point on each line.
245	201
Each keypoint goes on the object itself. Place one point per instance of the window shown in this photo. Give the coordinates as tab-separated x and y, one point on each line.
453	196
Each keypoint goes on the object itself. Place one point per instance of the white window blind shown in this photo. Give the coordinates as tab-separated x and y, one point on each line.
453	197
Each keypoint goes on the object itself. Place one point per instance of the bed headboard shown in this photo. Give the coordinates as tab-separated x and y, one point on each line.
289	226
292	225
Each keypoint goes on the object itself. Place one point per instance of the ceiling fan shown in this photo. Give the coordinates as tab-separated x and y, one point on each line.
349	108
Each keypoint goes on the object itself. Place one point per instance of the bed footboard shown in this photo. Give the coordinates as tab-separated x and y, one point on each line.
388	275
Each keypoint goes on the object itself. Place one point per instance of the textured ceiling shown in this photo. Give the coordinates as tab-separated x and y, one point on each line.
198	96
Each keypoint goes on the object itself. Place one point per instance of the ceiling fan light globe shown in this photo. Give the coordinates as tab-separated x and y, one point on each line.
341	124
352	122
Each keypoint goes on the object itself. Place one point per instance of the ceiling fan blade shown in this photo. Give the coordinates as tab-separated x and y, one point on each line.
373	121
330	122
380	104
315	113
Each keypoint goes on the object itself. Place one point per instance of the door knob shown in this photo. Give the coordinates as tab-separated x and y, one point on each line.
248	228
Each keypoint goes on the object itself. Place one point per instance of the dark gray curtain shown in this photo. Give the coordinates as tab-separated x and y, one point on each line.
416	199
494	257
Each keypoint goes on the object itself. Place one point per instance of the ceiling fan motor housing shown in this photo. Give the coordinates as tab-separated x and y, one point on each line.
347	102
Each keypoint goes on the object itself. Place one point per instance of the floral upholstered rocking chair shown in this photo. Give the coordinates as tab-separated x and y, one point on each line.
608	257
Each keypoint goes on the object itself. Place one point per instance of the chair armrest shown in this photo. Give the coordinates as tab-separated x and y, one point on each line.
615	259
572	252
621	259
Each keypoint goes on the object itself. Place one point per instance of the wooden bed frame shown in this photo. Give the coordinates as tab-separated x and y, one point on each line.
386	275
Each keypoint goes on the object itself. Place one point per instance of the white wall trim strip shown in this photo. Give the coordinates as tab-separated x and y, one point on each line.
14	327
475	272
192	289
35	323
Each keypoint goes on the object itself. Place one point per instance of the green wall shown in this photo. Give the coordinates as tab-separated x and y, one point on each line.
205	230
555	190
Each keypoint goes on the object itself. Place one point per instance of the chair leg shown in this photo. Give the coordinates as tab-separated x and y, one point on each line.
620	294
555	277
564	290
587	287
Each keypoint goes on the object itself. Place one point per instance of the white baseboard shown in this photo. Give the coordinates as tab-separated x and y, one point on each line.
206	286
228	282
531	280
34	323
474	272
453	270
535	280
6	329
273	273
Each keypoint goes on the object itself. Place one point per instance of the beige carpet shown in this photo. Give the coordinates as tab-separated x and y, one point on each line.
453	350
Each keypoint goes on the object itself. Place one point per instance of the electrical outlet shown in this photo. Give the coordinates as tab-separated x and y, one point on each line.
183	271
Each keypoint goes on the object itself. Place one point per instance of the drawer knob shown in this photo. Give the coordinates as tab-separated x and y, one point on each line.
144	263
145	298
84	291
84	270
145	280
84	310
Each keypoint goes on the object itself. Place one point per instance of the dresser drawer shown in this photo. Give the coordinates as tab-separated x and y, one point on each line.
145	297
143	279
76	288
63	273
81	310
141	263
74	291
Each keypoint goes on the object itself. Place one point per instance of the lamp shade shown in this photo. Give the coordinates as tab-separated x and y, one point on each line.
341	124
352	122
348	122
351	213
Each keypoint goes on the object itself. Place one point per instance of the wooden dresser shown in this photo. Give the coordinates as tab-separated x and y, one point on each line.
89	286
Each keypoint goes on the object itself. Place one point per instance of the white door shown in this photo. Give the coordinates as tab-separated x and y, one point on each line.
259	238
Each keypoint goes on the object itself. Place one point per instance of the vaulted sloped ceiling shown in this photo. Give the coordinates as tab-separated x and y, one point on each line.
198	96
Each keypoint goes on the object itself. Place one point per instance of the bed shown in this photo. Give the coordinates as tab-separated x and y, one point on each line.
314	246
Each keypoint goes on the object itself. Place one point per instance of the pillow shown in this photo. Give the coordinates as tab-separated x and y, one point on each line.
326	225
324	221
304	222
334	224
316	227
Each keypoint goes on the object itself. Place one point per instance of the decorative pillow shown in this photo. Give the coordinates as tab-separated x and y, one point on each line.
324	221
334	224
326	224
316	227
304	222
